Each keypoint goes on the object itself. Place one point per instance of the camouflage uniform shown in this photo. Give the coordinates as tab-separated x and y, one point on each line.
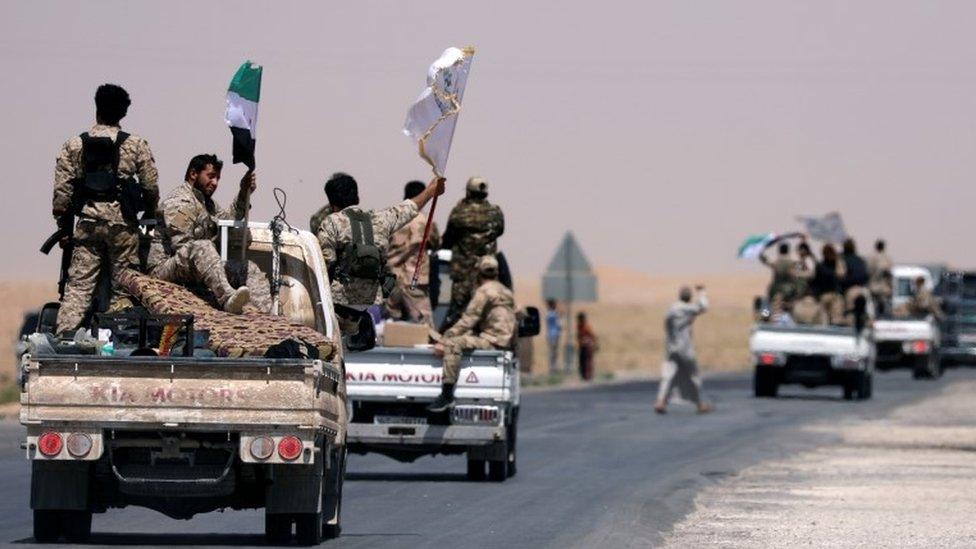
408	303
472	231
318	217
102	233
335	234
184	249
923	303
878	284
488	322
782	288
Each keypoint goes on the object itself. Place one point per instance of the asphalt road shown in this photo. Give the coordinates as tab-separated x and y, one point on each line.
596	467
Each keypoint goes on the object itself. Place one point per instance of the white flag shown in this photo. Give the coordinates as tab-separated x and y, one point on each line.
431	120
828	228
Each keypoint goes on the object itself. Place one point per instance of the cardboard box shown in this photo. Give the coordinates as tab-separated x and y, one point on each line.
405	334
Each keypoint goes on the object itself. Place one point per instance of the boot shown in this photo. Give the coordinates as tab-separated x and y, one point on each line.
235	303
444	401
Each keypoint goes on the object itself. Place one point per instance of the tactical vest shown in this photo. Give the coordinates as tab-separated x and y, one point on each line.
101	181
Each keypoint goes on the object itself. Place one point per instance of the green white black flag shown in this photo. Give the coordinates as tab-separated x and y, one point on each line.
242	111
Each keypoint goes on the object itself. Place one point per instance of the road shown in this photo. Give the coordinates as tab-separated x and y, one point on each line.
596	467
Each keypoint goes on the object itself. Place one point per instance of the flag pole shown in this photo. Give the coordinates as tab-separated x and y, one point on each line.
424	240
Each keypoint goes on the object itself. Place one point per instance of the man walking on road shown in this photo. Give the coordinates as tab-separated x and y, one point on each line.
681	367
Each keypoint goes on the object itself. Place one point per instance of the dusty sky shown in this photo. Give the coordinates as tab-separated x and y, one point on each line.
662	133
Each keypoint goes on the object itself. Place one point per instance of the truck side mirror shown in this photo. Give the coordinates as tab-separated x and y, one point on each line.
47	320
528	322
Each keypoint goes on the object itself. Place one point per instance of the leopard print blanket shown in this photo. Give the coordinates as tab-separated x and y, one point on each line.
247	334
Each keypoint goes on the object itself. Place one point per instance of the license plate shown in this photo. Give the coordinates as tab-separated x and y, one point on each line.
399	420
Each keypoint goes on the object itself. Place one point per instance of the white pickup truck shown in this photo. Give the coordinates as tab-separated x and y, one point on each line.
812	356
193	433
907	341
390	387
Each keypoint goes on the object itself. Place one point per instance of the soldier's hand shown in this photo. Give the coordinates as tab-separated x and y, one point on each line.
249	183
64	241
439	350
438	184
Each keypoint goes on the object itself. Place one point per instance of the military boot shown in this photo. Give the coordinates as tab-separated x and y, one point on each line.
444	401
237	300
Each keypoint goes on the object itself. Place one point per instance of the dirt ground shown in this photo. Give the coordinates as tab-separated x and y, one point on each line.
629	319
904	480
15	299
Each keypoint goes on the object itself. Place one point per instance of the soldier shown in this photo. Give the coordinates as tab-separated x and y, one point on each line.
104	176
782	287
472	231
878	284
681	366
184	248
407	302
923	303
354	243
318	217
488	322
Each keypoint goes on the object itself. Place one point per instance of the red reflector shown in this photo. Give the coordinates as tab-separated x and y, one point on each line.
289	448
49	443
920	347
767	359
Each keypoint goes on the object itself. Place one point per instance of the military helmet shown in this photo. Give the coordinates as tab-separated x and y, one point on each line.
477	185
488	266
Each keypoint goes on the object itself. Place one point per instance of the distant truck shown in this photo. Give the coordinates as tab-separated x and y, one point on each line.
905	341
390	387
813	356
190	434
957	290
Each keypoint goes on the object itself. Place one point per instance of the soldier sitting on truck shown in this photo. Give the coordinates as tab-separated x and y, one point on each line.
923	303
184	246
488	322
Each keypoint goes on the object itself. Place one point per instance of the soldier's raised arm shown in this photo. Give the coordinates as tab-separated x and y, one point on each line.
249	184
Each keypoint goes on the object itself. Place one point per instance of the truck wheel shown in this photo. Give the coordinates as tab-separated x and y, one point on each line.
332	501
308	528
498	470
865	389
512	455
277	528
924	367
47	525
850	388
476	469
76	525
764	385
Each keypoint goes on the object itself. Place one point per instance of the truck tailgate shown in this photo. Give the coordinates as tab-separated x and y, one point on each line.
178	391
403	372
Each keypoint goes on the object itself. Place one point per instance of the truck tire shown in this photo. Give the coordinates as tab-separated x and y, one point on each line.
866	386
308	528
76	525
925	367
47	525
850	389
332	499
277	528
498	469
512	454
764	385
476	469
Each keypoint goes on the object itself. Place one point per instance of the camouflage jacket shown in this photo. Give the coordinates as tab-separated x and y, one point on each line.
335	234
401	257
472	231
490	314
186	215
135	160
318	217
878	264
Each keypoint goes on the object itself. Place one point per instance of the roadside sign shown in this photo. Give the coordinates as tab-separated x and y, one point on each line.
569	278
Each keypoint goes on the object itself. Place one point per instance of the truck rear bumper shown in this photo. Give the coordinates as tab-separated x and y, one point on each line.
810	378
424	435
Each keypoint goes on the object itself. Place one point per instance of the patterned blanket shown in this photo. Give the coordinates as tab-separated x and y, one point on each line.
248	334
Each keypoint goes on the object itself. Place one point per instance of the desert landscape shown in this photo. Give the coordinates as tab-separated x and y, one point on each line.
627	318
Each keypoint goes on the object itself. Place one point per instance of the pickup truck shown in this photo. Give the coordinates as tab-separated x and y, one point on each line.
390	388
193	432
812	356
902	340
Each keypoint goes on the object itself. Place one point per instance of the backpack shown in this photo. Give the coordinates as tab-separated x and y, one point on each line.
362	258
101	181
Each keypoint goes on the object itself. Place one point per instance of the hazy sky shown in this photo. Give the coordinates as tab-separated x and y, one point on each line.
662	133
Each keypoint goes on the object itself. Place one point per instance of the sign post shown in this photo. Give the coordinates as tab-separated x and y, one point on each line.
569	279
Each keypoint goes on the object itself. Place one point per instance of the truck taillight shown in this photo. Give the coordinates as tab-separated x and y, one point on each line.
262	447
771	359
289	447
50	443
920	347
79	444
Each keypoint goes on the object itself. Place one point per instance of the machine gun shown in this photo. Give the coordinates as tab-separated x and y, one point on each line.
66	228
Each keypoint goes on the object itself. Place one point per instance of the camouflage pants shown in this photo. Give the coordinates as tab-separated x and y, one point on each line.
96	243
462	289
833	308
410	304
456	346
199	263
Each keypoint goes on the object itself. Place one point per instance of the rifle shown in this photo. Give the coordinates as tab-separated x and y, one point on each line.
66	228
